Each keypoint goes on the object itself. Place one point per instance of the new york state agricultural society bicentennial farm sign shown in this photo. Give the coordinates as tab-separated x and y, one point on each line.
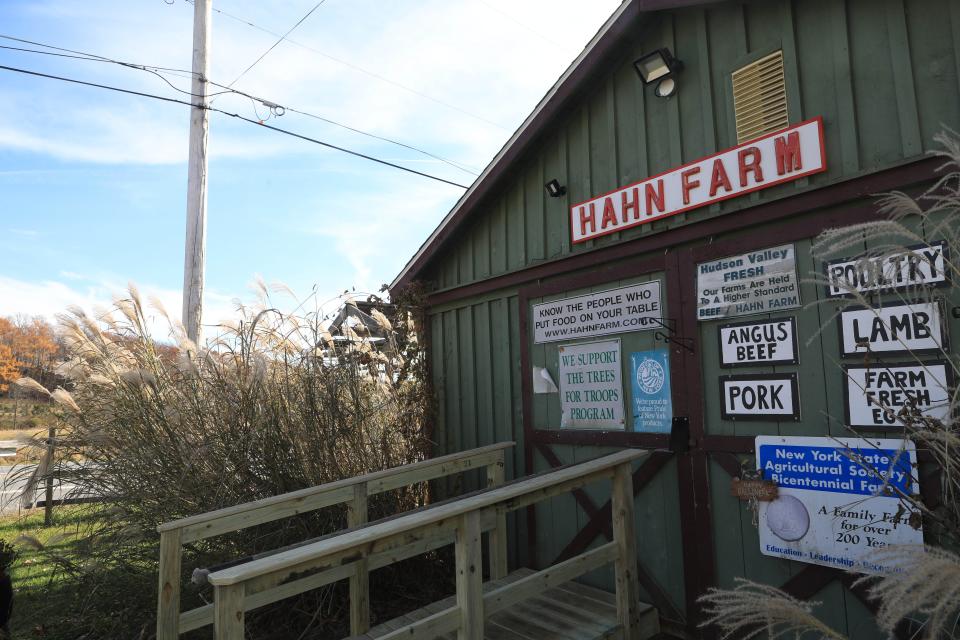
832	506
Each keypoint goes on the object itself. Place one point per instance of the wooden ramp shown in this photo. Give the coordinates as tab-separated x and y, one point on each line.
571	611
523	605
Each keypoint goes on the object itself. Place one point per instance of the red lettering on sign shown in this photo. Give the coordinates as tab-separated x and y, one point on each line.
584	219
609	213
788	153
719	178
687	184
753	164
653	197
627	205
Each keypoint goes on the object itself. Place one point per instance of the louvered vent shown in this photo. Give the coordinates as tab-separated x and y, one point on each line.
760	97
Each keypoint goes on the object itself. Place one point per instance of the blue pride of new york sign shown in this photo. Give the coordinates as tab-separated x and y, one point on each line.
652	406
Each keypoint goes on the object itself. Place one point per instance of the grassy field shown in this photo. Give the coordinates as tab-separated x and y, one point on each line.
35	574
21	420
16	414
52	600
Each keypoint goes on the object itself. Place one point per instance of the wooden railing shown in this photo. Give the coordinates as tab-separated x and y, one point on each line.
352	491
385	542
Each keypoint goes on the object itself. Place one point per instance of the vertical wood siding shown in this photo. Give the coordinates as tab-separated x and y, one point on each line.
882	73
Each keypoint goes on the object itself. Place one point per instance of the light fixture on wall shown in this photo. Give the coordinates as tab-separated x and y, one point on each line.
555	189
661	67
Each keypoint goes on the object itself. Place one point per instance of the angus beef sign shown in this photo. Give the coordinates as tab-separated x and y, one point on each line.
772	159
753	343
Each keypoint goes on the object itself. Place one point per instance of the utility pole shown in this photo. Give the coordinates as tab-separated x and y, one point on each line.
196	240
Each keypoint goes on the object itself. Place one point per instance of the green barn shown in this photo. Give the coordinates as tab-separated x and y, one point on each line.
690	154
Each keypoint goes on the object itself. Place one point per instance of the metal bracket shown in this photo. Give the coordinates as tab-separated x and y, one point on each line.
955	312
686	343
680	434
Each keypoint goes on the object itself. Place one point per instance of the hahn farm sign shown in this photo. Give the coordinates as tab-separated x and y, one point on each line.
773	159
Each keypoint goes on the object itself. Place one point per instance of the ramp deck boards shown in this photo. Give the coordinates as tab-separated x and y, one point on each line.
572	611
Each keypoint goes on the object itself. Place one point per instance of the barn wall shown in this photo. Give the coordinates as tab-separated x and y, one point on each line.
884	76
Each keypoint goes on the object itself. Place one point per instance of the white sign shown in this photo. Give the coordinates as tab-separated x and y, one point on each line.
750	343
877	395
591	385
831	508
916	328
761	396
633	308
772	159
921	265
755	282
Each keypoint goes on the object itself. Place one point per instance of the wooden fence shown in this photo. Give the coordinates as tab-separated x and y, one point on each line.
351	555
352	491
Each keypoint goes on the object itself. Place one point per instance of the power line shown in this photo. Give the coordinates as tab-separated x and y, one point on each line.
156	70
279	40
523	25
452	163
93	58
235	115
91	55
362	70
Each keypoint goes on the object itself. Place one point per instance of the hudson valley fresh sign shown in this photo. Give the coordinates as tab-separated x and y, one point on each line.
772	159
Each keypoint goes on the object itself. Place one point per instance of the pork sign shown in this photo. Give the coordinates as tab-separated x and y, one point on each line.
915	328
771	396
775	158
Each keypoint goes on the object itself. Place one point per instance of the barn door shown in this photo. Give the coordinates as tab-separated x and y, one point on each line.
559	431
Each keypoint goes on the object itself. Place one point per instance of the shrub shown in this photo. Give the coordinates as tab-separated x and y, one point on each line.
272	404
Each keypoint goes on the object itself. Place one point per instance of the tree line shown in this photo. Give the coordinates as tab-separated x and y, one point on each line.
29	347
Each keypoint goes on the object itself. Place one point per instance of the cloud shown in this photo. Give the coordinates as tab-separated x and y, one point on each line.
476	56
380	221
47	298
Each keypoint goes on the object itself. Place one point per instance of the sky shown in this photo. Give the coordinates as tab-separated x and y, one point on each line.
93	182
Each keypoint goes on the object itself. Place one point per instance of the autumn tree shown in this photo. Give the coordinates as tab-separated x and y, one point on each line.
9	367
33	346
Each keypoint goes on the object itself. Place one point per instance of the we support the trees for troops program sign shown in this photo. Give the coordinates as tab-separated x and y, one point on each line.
591	385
